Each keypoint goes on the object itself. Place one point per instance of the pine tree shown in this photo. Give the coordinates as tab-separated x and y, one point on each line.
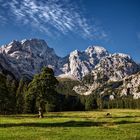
20	96
7	95
90	103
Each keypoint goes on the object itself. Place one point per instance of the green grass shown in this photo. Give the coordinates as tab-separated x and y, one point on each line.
95	125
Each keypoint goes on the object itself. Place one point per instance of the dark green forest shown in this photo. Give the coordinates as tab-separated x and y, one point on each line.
45	93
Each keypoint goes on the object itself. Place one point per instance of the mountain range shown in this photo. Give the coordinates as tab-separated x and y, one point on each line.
27	57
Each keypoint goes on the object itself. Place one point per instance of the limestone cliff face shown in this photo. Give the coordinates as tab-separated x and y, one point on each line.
79	63
128	86
131	86
112	68
27	57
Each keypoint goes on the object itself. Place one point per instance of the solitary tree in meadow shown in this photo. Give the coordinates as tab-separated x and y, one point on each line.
41	86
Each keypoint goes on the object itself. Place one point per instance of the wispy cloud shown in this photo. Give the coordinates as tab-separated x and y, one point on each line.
54	16
2	20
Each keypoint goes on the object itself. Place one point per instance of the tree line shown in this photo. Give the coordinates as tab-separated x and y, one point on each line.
45	93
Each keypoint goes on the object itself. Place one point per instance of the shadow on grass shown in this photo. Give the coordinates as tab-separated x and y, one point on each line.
66	124
126	117
65	116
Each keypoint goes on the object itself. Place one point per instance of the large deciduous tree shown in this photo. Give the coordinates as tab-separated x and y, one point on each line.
39	89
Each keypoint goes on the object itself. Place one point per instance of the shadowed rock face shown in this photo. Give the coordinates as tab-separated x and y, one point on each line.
27	57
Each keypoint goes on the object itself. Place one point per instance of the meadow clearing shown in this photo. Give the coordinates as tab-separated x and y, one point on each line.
93	125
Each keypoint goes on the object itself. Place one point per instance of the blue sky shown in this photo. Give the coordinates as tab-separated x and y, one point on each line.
67	25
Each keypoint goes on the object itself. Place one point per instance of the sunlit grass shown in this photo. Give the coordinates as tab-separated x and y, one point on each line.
120	125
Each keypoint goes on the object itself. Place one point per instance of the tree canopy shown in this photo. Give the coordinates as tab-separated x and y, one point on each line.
39	89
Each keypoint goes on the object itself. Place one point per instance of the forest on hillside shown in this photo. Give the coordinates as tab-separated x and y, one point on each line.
47	93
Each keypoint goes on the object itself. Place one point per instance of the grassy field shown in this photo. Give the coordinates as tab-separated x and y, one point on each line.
95	125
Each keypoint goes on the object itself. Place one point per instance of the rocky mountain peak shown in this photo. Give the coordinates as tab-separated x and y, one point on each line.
25	45
122	55
75	53
95	49
28	56
11	47
34	43
96	52
80	63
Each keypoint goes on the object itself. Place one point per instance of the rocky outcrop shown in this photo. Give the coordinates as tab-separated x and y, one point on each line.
79	64
131	86
128	86
115	67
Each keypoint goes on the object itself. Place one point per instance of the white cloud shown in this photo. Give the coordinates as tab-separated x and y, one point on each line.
52	16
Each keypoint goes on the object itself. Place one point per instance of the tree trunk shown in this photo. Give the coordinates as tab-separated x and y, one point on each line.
40	113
